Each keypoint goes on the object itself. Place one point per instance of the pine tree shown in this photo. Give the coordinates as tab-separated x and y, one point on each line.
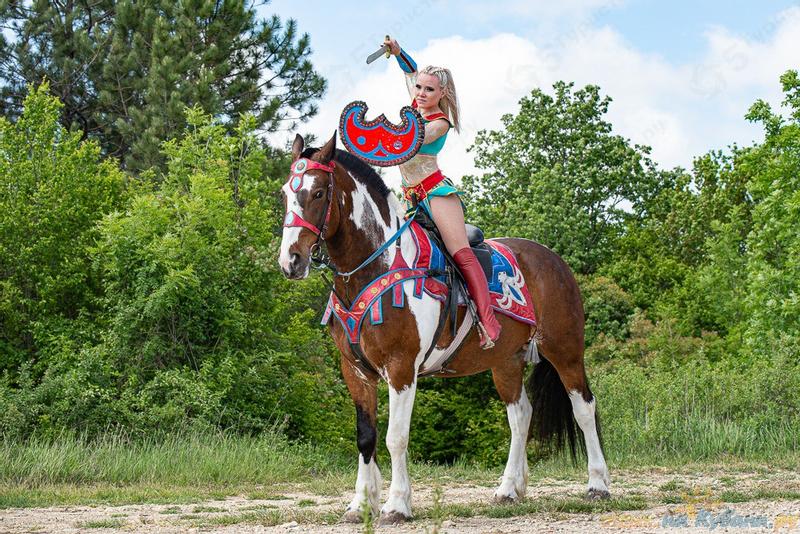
126	70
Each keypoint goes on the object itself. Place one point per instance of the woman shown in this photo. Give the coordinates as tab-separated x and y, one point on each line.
434	96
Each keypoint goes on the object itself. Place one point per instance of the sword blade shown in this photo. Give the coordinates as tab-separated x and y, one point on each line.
376	54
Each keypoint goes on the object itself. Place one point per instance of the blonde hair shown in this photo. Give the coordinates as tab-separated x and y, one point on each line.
449	101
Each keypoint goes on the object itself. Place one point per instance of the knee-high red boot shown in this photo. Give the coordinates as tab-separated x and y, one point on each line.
479	291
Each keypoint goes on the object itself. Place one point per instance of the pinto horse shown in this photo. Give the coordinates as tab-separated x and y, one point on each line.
336	198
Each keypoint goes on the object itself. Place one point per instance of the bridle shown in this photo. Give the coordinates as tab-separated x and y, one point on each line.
293	219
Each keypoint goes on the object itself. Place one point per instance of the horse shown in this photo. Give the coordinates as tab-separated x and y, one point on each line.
334	198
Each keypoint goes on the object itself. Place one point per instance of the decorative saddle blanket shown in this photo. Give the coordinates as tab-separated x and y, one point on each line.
507	287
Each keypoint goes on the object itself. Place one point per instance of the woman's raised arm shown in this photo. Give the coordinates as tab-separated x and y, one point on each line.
408	65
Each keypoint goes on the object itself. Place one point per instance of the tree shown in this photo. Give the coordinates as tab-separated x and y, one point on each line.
125	70
53	191
558	175
773	245
675	235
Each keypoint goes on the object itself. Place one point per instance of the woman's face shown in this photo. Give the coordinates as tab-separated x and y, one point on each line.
428	90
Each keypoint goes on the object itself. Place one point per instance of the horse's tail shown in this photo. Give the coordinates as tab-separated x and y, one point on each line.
552	424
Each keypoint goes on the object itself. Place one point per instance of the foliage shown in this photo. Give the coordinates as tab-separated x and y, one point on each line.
460	418
607	308
556	174
674	232
773	245
125	70
193	325
688	406
156	306
53	189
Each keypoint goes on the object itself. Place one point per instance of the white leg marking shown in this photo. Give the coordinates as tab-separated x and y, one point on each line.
368	486
515	477
401	404
584	415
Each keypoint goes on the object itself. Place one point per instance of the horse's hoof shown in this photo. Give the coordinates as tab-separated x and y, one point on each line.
393	518
597	494
504	499
352	516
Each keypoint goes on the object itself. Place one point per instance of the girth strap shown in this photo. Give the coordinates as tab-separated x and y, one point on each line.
361	358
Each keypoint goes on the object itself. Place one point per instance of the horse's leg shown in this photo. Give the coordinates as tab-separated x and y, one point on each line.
401	403
583	407
363	390
508	381
572	373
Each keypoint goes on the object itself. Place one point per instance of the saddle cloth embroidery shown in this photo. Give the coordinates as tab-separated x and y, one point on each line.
507	288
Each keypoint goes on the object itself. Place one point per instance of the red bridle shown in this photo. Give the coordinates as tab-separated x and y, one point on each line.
295	181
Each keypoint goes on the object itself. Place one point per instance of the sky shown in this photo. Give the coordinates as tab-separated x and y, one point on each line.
681	74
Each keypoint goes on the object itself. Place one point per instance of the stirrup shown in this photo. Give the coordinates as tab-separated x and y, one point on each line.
486	342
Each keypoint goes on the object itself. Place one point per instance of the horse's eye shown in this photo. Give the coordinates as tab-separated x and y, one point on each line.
318	194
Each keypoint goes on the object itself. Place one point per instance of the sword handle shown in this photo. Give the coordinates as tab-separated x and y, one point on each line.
388	48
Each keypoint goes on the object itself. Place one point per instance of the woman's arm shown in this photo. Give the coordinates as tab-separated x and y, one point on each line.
435	129
408	65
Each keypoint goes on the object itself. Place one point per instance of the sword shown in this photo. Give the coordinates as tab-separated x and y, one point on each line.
385	49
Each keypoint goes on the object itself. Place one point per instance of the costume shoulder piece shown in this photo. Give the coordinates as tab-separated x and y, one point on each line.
435	116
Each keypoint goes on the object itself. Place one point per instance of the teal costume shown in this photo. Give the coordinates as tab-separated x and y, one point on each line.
444	187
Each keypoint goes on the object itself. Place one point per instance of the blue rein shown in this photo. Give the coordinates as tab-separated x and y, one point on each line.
380	251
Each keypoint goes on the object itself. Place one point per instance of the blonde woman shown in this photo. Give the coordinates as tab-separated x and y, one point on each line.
433	94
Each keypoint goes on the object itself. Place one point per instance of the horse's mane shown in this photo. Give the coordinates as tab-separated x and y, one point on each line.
360	170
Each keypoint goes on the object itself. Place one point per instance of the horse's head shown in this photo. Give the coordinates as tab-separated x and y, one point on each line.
308	199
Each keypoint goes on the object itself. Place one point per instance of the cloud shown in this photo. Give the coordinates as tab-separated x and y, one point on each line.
681	110
541	12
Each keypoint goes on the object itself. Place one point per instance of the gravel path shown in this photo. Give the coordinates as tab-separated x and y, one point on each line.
722	501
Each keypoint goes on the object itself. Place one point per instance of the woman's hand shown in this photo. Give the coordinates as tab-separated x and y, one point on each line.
394	48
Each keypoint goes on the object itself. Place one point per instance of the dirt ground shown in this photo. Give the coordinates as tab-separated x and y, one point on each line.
763	500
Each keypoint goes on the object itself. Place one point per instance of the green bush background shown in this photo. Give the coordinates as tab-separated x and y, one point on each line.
152	304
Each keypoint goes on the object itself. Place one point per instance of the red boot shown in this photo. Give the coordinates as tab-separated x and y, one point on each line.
479	291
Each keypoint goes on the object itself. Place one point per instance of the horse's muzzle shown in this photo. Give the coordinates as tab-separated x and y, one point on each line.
297	267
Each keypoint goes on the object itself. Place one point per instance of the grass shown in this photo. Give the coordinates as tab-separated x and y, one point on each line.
207	509
171	510
189	469
436	513
183	460
766	494
101	523
268	518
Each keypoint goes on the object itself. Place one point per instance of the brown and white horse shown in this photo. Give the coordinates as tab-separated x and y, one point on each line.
356	213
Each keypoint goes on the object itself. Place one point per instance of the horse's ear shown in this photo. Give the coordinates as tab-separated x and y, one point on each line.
327	152
297	147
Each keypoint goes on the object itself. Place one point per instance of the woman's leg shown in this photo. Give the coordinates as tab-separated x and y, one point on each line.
449	218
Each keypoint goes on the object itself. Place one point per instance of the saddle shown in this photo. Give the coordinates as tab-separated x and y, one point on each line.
433	272
474	236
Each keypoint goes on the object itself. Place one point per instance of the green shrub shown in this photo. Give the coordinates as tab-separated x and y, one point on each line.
54	188
607	308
